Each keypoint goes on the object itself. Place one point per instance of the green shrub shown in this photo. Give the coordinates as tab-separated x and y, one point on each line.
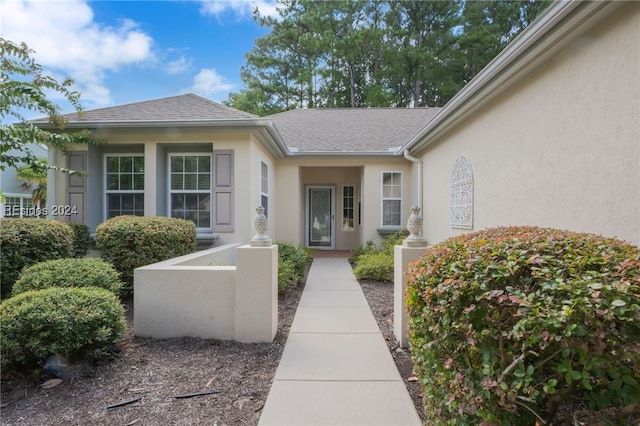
24	242
376	263
81	239
292	264
129	242
69	273
286	275
375	266
75	323
508	324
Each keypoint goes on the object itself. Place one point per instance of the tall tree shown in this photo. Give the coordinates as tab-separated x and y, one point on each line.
488	26
364	53
24	86
421	35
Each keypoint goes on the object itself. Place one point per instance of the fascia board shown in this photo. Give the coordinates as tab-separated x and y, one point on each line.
542	39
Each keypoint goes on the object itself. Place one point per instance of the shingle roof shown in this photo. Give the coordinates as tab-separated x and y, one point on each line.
187	107
350	129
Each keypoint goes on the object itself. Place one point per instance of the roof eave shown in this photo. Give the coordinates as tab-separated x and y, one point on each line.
104	124
542	39
318	154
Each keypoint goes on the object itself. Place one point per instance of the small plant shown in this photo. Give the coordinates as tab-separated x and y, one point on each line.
81	239
371	262
69	273
24	242
375	266
74	323
508	324
129	242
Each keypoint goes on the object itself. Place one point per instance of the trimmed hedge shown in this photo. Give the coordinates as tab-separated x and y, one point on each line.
508	324
69	273
129	242
75	323
24	242
81	239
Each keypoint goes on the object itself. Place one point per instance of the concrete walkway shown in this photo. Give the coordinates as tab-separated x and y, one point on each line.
336	368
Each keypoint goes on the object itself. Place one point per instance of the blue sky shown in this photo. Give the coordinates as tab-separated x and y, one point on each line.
126	51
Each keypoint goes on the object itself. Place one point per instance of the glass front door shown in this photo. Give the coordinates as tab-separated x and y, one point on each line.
320	218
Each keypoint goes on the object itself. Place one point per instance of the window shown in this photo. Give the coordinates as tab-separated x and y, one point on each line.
190	188
19	206
125	185
348	207
391	198
264	187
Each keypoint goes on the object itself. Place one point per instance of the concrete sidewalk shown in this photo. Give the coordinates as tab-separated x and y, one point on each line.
336	368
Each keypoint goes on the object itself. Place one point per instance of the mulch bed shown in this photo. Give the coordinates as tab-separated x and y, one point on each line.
157	379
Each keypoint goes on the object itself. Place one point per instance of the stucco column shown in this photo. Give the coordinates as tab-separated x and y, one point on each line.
256	293
150	179
403	255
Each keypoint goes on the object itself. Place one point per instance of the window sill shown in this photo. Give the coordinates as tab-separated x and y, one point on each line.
204	241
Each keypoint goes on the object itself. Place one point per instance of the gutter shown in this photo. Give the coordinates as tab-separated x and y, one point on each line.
418	163
549	33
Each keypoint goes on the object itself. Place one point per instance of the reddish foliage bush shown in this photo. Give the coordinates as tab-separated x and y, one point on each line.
508	324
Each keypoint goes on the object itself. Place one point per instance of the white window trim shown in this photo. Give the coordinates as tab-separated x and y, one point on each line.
353	209
383	199
105	210
199	191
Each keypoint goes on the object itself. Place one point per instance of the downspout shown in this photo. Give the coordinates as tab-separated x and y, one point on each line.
419	166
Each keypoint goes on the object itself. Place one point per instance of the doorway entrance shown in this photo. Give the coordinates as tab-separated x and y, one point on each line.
320	217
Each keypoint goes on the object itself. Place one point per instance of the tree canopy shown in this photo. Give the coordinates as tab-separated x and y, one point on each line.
370	53
25	87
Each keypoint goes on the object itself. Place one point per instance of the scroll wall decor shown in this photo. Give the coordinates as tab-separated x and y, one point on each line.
462	194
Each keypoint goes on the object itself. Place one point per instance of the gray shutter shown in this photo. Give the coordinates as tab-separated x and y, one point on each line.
77	186
223	191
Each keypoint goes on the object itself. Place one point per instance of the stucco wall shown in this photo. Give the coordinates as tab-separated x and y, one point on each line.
561	148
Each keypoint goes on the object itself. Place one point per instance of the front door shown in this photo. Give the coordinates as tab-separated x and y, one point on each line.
320	217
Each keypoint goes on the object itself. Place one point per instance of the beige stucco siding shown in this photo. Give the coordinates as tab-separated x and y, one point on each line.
560	148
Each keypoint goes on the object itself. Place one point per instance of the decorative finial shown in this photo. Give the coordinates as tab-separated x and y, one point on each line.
414	225
262	225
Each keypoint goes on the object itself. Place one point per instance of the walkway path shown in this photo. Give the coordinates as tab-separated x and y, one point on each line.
336	368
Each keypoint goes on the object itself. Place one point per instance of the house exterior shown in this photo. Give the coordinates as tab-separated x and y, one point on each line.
19	201
547	134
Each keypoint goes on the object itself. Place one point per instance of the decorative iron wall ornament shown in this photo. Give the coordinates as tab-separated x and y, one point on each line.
462	194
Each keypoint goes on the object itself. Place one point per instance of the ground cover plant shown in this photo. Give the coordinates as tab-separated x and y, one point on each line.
509	324
128	242
86	272
24	242
75	324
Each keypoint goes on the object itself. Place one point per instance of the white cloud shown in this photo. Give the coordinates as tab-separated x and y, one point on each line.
178	66
208	82
241	8
68	41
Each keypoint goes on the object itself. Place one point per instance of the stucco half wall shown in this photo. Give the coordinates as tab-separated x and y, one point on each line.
560	148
